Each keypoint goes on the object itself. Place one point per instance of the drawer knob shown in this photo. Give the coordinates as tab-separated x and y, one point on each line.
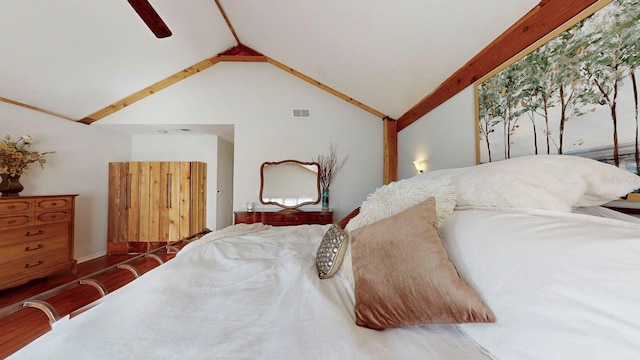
11	221
11	206
29	233
27	266
29	248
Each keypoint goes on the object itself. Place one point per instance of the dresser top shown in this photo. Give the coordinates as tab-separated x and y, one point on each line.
14	198
284	211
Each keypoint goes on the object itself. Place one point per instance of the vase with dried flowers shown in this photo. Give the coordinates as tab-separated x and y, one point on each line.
15	157
330	166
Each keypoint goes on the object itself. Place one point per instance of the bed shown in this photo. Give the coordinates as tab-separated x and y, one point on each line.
550	273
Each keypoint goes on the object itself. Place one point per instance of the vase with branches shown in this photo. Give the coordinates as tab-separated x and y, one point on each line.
329	167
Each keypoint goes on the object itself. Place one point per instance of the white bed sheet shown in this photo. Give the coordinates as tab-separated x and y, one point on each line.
562	285
251	296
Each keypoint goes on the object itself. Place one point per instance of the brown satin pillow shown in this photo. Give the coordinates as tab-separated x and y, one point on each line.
403	275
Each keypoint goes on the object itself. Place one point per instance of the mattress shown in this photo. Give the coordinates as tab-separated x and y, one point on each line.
245	292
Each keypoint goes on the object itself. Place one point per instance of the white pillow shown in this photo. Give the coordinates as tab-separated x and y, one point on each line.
550	182
394	198
399	196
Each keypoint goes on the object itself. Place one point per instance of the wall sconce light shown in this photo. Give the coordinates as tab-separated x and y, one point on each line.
421	165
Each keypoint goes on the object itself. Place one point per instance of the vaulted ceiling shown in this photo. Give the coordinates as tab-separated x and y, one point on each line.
74	58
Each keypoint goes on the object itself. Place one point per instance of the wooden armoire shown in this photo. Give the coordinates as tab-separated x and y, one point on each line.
154	203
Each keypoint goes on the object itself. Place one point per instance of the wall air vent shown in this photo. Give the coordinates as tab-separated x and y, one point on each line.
300	113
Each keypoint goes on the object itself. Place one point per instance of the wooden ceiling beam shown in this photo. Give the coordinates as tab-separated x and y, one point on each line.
243	58
226	19
239	53
390	150
242	53
537	23
325	88
27	106
152	89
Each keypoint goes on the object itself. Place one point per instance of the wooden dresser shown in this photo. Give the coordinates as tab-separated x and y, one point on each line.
284	217
37	237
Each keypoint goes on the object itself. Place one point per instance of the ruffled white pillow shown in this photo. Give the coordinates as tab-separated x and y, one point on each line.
395	197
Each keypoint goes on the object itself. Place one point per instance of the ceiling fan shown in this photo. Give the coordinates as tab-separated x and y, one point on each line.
151	18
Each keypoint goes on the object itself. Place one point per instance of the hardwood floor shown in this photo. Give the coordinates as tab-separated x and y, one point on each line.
27	311
35	287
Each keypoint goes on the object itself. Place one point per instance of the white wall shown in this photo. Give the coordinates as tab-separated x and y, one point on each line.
203	148
445	137
257	98
225	184
80	166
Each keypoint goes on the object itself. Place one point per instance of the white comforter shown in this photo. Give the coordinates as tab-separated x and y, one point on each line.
243	293
562	286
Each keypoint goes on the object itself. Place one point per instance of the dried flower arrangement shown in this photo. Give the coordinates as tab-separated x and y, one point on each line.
15	156
330	166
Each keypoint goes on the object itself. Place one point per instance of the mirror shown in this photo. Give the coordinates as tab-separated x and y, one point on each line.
290	183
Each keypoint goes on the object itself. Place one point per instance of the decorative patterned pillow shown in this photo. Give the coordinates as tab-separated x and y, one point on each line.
331	251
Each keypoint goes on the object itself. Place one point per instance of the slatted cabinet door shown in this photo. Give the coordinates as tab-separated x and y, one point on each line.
153	220
118	202
151	203
198	197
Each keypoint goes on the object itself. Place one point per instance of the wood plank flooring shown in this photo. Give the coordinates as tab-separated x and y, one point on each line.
27	311
35	287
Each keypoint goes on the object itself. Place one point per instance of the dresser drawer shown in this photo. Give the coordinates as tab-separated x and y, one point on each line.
51	216
36	237
16	220
297	217
245	218
33	233
34	248
14	206
54	203
268	218
284	217
32	264
321	218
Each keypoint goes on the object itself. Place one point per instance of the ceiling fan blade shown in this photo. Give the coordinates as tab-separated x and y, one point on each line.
151	18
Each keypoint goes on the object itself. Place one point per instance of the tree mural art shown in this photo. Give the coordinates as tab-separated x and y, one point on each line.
576	94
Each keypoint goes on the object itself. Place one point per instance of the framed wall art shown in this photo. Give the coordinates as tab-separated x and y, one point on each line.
574	92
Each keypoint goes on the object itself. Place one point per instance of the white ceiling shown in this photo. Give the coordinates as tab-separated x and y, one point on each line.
74	57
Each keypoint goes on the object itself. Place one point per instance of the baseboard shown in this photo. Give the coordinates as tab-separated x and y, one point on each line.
91	257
